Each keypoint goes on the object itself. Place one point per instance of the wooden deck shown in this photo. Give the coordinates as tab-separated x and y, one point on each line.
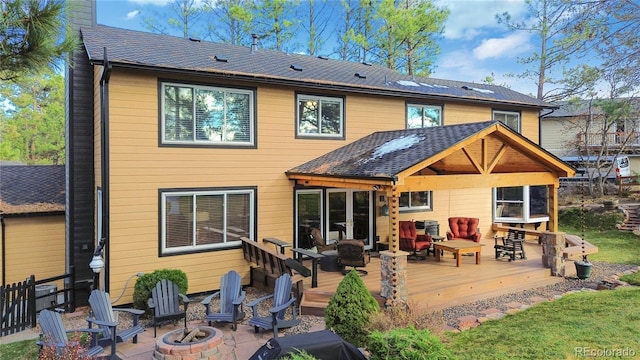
436	285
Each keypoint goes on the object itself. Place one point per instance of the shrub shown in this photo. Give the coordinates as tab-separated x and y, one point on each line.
75	349
350	309
406	344
146	283
594	219
398	317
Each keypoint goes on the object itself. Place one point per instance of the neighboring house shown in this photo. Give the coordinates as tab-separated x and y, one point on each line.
187	146
577	133
32	202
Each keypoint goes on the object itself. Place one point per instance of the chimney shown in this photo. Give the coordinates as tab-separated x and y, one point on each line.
254	43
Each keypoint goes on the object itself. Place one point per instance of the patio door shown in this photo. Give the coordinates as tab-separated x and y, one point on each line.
349	215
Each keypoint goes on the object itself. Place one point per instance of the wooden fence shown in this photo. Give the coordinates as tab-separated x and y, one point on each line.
18	302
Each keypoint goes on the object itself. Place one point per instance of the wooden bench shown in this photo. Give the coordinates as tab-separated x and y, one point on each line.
574	247
278	243
272	264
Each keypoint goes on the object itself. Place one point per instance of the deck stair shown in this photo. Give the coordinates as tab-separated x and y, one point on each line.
631	217
314	301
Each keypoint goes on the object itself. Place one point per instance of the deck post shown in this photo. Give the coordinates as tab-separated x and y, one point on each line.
553	244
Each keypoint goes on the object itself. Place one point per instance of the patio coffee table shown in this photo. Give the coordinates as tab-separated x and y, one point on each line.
458	247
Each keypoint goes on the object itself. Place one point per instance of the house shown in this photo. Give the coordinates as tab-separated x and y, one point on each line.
184	146
567	133
32	218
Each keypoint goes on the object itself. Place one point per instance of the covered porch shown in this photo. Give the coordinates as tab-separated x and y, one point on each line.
472	159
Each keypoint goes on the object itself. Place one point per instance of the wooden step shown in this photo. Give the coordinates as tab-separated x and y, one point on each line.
315	301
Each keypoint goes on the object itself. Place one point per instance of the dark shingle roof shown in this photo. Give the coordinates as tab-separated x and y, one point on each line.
581	107
32	189
137	49
384	154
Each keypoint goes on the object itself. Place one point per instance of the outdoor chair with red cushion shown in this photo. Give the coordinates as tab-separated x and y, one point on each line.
463	228
410	240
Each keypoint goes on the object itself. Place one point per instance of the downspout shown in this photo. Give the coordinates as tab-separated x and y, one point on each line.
4	256
540	125
104	168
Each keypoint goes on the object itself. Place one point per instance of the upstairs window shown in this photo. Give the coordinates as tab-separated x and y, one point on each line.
509	118
320	116
205	115
421	116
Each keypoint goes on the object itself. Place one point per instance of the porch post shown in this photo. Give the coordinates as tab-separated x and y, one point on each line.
553	207
393	262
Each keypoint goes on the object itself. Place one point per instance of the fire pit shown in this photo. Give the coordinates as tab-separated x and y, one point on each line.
204	342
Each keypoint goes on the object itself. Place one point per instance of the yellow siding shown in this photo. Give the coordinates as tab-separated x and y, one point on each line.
34	245
139	168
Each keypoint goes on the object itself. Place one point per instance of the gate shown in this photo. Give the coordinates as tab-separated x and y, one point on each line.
18	302
18	306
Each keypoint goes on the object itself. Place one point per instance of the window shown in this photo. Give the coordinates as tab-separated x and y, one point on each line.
320	116
509	118
421	116
415	201
206	115
521	204
205	220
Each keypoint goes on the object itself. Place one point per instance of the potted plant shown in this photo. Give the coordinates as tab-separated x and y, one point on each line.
583	267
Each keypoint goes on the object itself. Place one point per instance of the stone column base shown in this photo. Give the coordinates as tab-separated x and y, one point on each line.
393	270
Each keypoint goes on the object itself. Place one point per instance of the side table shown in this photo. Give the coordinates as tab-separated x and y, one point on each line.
330	261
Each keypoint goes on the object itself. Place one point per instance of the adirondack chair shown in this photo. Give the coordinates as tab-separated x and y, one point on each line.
54	334
282	299
231	296
165	304
103	314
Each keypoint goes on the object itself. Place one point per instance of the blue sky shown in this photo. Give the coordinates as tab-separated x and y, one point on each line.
473	46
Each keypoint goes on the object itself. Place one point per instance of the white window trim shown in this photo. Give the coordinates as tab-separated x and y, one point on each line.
197	248
422	106
195	141
299	97
519	129
418	208
526	216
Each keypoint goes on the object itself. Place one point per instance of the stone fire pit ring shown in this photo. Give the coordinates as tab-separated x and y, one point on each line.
209	347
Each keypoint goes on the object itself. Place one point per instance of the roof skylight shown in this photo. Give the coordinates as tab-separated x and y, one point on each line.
295	68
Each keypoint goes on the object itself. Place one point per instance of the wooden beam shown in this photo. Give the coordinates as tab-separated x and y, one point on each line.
473	161
497	158
469	181
341	182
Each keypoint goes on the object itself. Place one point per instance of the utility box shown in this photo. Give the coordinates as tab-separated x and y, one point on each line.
46	296
429	226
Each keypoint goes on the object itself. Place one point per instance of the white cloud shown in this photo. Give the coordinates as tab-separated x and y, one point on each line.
508	46
471	18
132	14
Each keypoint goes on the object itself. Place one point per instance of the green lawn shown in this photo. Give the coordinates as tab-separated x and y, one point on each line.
574	326
562	329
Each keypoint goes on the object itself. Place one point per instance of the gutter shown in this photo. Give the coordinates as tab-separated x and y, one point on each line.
104	168
553	109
